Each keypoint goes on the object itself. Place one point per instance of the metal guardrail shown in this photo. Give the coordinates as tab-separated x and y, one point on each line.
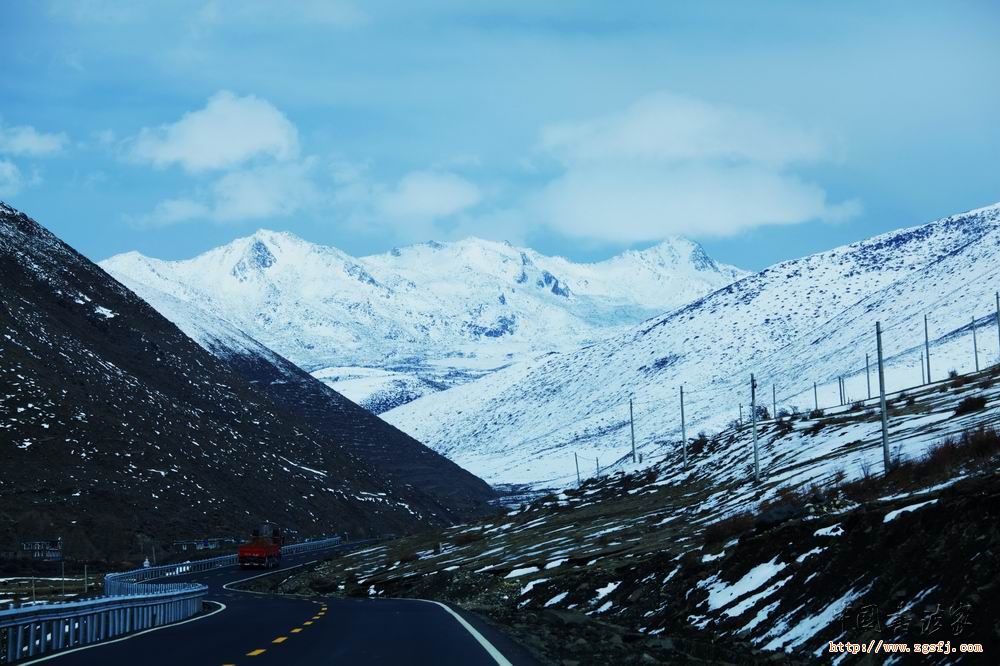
310	546
136	581
35	630
131	603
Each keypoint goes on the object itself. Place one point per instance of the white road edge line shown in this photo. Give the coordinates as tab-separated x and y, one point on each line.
492	651
62	653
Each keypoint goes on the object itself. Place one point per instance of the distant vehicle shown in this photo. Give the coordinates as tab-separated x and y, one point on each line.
263	549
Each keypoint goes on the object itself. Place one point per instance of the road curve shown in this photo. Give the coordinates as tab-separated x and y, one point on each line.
243	628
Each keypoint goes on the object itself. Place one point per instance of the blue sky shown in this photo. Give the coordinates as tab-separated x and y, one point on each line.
764	130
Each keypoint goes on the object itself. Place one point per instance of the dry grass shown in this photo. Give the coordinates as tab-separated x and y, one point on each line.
726	529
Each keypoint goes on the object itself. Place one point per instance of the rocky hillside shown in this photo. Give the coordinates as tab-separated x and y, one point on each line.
667	565
387	449
116	429
388	328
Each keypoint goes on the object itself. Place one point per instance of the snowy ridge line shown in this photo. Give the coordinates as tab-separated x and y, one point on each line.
422	318
706	346
715	387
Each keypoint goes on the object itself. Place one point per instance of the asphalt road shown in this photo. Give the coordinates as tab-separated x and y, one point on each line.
257	629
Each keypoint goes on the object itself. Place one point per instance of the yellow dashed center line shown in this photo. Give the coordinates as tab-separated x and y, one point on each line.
254	653
280	639
296	630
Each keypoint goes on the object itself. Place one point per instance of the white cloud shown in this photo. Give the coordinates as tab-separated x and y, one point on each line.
173	211
427	195
228	132
27	141
675	165
11	180
664	128
628	205
274	190
105	137
252	147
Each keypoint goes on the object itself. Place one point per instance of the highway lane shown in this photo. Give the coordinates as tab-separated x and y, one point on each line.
249	629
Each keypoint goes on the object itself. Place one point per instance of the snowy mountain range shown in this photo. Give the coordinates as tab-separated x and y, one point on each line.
798	322
389	328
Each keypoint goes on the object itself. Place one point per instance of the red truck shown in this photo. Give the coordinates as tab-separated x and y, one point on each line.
263	549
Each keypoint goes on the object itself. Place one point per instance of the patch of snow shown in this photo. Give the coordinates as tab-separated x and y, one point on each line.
721	594
804	629
521	572
556	599
831	531
606	590
804	556
892	515
531	584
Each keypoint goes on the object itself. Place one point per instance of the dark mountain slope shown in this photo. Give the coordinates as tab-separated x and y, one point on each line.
390	451
116	428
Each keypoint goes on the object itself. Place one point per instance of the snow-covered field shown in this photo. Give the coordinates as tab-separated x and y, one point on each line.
799	322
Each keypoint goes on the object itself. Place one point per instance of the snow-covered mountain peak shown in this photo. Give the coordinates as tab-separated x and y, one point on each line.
673	252
443	312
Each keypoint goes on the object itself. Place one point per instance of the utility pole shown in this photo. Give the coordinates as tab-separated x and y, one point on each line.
631	423
998	315
815	398
868	375
684	436
881	388
975	346
753	420
927	349
576	459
